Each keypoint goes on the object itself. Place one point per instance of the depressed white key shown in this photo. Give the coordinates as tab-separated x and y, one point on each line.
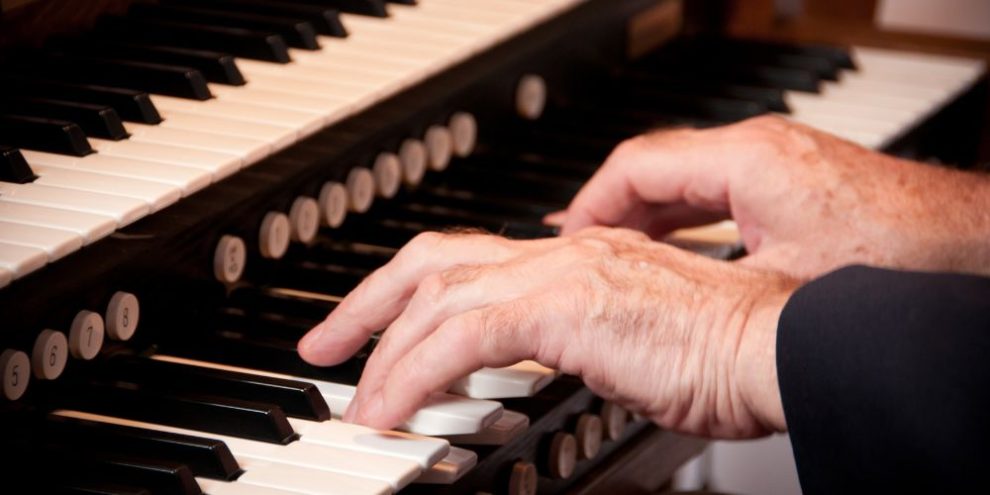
21	260
156	194
189	180
523	379
250	150
219	164
304	122
509	427
217	487
278	136
443	414
125	210
87	225
457	463
56	243
425	451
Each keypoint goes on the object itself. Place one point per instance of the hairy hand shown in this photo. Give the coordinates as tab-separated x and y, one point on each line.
805	201
685	340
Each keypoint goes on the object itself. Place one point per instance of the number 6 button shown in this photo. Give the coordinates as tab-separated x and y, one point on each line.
86	335
49	354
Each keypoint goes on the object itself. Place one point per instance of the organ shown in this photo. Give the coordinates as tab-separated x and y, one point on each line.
187	187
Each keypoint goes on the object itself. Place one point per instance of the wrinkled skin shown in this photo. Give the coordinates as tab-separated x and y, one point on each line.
805	201
686	341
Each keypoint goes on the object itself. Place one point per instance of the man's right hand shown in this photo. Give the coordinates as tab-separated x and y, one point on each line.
805	201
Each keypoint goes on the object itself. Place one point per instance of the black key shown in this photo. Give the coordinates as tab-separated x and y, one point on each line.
297	33
325	20
771	97
68	468
98	121
327	278
13	167
251	301
91	487
239	42
239	418
183	82
335	251
467	200
297	399
263	324
268	354
216	67
34	133
131	105
206	457
374	8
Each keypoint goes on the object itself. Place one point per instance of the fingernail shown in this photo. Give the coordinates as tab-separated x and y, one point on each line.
309	341
372	409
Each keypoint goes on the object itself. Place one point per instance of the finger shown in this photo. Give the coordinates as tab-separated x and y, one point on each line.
555	219
493	336
682	166
382	296
442	296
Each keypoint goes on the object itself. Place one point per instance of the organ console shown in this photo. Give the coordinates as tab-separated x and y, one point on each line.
186	187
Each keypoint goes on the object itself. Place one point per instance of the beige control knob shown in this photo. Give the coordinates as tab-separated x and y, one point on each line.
531	96
274	235
49	355
614	419
86	335
229	259
464	133
439	147
333	204
562	455
588	432
522	479
15	367
388	174
412	155
304	215
123	313
360	189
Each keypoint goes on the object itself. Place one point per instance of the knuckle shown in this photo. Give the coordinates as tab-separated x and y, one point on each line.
433	287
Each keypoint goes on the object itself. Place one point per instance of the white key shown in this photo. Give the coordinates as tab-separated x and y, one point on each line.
309	481
21	260
5	277
308	460
304	122
156	194
189	180
87	225
444	414
217	487
55	242
250	150
332	108
220	165
278	136
425	451
125	210
457	463
509	427
523	379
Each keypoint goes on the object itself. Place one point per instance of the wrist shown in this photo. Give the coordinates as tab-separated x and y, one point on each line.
756	357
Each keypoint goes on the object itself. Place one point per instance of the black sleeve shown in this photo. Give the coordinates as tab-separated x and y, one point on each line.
885	380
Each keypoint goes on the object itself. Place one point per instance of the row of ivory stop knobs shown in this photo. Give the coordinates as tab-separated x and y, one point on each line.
383	178
50	350
559	455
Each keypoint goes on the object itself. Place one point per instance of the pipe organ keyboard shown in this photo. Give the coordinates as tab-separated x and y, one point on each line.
188	186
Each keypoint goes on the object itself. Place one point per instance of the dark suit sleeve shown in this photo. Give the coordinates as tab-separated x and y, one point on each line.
885	380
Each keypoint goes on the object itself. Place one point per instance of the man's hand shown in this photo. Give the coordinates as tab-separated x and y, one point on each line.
685	340
805	201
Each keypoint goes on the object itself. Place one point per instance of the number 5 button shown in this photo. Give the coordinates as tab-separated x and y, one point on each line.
14	366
